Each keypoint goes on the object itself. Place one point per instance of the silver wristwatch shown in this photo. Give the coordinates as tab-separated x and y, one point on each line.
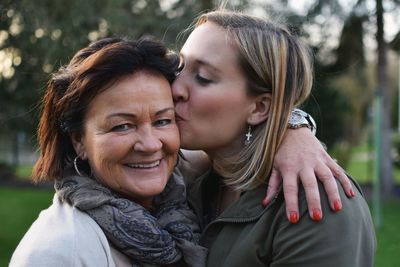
299	118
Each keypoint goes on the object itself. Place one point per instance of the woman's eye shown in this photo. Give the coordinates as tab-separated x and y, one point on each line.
203	81
162	122
121	127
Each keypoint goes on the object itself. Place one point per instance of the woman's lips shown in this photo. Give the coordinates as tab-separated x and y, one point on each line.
144	165
181	112
178	118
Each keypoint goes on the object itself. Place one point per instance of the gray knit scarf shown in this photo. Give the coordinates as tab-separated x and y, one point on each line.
167	236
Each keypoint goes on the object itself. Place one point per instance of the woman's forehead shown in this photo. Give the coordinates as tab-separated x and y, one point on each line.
210	44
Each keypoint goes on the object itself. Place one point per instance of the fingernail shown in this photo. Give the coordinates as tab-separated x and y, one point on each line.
317	216
352	194
337	205
293	217
265	202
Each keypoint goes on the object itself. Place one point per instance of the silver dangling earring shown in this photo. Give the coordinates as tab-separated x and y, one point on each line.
76	166
248	136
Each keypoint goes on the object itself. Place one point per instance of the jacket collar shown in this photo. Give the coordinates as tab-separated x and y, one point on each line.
204	189
248	206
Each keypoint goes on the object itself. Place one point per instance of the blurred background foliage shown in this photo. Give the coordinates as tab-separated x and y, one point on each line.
37	37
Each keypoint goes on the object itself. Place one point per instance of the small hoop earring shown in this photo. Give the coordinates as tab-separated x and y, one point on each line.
76	166
249	136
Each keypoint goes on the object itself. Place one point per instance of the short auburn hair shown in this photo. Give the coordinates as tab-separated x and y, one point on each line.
71	89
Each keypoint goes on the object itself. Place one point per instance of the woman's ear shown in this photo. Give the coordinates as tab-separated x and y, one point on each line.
260	109
78	145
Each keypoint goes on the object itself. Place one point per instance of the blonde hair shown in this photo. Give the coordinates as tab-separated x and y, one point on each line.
276	62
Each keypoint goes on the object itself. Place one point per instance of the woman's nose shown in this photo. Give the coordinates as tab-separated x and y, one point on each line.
147	141
180	91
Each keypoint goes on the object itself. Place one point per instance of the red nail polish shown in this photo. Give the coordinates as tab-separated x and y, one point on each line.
352	194
317	216
337	205
293	217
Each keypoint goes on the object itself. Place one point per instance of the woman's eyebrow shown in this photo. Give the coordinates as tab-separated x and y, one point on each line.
133	115
164	110
203	62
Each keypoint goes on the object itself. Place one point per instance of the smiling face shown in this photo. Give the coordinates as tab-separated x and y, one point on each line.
130	136
210	92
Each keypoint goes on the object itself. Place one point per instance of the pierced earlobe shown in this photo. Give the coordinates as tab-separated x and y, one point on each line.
249	136
78	146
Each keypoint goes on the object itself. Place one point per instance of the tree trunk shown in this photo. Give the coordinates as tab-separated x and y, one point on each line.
386	170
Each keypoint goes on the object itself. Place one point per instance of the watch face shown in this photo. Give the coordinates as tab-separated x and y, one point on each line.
295	118
299	118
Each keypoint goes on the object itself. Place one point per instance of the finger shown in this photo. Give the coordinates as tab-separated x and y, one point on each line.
309	182
274	184
291	193
340	175
325	175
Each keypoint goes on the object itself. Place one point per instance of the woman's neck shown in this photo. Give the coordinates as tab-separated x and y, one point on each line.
227	196
218	157
225	151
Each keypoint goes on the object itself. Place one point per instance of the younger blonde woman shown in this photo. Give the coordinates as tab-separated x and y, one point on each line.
240	77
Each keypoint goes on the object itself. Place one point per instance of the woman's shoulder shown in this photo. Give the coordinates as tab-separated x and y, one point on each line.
344	238
66	223
353	219
61	234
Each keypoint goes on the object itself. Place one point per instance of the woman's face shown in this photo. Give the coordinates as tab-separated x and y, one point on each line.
211	104
130	136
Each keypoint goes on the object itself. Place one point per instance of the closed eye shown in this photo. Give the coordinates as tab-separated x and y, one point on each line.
203	81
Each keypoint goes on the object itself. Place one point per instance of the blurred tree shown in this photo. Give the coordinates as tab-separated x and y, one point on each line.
349	56
206	4
349	79
37	37
385	162
341	101
339	73
395	43
395	73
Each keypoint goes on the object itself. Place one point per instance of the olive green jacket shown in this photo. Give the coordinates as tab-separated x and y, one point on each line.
247	234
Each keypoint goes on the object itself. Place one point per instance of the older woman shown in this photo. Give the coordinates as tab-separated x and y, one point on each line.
240	77
109	140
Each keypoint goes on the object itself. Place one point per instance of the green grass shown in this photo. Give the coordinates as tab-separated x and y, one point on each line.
389	236
361	166
20	207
